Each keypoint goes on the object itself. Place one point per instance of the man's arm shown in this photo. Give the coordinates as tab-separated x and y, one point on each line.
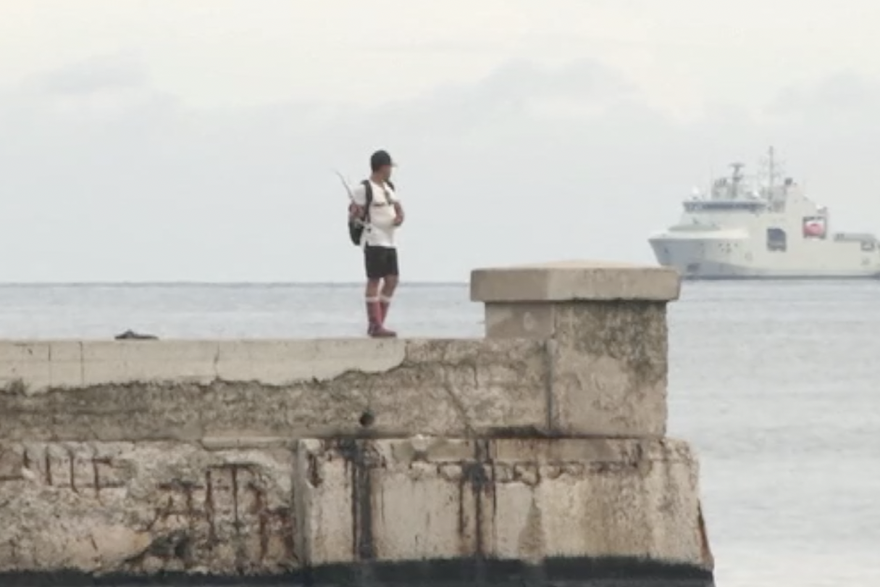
398	208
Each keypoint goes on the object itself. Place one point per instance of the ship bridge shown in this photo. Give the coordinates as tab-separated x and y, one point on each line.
726	206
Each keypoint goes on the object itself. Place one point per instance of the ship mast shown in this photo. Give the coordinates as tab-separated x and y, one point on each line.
736	178
772	169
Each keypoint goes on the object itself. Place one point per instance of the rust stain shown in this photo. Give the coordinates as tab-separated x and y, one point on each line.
96	477
210	510
314	470
240	554
229	504
234	475
288	533
358	462
234	510
48	464
71	461
263	517
478	478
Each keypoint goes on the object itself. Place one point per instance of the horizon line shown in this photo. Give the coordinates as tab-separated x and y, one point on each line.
216	283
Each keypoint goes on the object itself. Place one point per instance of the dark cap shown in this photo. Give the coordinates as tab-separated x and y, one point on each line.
380	159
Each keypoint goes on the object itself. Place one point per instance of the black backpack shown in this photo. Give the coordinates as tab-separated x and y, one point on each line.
356	229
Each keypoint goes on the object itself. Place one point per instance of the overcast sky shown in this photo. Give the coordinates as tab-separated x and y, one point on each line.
161	140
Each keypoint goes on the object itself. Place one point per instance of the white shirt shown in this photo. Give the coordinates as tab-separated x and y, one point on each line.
380	229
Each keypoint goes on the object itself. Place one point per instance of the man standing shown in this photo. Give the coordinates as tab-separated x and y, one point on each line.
374	202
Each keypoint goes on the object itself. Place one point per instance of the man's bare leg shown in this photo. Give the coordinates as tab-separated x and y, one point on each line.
389	285
375	314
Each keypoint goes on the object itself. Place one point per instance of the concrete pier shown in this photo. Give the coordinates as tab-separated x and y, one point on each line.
536	455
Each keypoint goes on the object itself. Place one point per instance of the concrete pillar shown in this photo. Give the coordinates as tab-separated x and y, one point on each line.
605	329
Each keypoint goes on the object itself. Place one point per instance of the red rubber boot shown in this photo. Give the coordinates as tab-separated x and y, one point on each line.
374	319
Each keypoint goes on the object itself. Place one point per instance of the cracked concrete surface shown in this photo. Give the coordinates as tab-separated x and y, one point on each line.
145	508
607	362
449	387
47	365
170	391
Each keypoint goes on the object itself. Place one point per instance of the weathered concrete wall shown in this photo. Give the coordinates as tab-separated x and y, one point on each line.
131	508
535	453
178	390
613	383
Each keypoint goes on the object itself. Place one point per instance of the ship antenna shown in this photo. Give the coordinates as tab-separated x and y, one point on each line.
771	167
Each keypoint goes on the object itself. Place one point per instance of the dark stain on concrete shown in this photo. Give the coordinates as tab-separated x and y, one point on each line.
461	572
359	461
476	478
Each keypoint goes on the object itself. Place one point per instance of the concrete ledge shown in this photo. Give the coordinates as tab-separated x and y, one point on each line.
147	509
200	390
574	281
36	366
192	390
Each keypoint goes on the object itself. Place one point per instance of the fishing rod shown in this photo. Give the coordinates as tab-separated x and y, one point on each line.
350	196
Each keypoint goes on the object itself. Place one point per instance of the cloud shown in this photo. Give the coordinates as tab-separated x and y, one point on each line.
842	94
527	164
111	72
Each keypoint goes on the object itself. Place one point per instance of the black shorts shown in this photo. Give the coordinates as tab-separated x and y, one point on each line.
380	262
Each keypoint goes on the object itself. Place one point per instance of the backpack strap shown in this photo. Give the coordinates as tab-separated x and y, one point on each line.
394	189
368	190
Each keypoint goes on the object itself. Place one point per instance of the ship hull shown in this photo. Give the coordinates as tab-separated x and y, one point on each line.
734	258
747	276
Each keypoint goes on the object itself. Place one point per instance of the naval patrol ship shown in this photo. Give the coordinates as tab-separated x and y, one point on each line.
765	229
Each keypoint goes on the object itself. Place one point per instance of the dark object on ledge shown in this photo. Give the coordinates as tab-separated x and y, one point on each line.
132	335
